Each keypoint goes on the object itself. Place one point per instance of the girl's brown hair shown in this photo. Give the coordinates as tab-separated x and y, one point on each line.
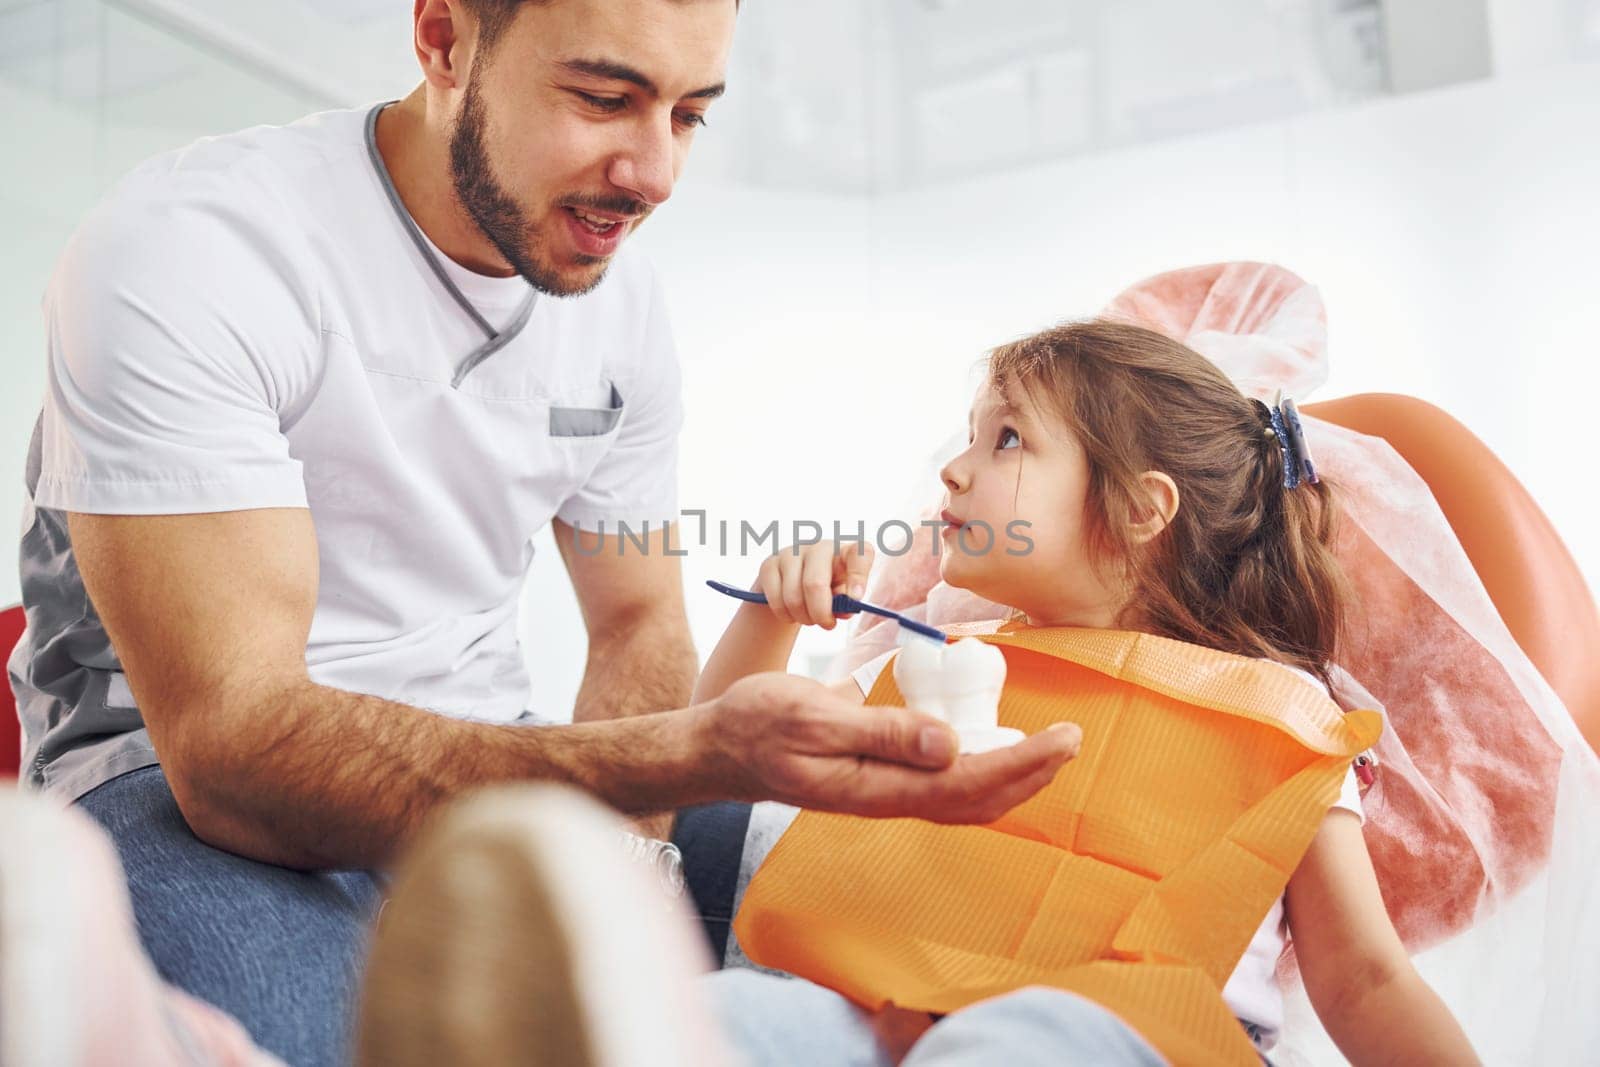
1246	566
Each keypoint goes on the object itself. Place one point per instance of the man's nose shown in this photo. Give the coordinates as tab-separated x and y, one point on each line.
647	165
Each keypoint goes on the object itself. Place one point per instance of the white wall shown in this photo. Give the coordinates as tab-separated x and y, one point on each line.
1455	236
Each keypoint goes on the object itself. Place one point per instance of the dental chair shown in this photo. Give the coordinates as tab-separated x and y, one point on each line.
1527	571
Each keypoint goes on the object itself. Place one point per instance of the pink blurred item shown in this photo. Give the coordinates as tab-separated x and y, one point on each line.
76	990
1480	819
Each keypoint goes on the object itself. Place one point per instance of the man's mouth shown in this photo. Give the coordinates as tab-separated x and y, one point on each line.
597	233
598	222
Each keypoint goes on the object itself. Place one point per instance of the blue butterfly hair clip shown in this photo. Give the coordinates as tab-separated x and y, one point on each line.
1291	437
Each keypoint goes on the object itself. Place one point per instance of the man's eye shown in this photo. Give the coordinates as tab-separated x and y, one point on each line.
1008	438
607	104
691	119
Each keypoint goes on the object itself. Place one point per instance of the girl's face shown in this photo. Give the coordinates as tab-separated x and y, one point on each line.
1016	531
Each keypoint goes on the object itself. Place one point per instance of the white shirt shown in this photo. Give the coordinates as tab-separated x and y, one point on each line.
250	323
1252	991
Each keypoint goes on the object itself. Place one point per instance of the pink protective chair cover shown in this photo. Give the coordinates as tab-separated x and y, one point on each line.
1482	822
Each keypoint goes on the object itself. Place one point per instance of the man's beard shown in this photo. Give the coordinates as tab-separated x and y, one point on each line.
501	219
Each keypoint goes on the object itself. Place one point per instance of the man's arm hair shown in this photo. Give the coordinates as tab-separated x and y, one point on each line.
209	616
641	658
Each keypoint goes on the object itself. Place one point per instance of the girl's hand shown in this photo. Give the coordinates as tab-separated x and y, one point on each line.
800	581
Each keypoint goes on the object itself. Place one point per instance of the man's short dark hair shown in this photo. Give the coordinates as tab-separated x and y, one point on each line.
495	15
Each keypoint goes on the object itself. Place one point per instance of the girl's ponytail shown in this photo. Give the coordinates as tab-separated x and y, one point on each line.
1287	590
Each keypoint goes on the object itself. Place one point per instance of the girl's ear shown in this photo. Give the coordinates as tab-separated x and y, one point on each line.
1156	509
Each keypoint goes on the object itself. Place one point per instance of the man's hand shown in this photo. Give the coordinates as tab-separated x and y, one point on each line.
780	737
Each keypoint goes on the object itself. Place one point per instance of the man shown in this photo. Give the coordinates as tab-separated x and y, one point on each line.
311	391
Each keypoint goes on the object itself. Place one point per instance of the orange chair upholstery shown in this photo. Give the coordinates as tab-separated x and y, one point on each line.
1528	572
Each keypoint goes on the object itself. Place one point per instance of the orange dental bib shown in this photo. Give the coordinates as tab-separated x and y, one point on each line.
1136	878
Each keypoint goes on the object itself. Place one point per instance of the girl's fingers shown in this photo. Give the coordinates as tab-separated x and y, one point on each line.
857	561
771	585
794	598
817	584
800	581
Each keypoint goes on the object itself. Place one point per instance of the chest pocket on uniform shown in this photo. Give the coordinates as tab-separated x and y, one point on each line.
579	421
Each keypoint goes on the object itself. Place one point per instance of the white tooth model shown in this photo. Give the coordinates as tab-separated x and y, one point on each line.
961	684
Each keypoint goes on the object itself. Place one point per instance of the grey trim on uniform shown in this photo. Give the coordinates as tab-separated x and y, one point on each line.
496	339
586	422
495	343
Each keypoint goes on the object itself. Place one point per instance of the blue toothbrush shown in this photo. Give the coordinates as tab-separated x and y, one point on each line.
843	605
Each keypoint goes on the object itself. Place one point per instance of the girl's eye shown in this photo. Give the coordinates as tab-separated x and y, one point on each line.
1008	439
607	104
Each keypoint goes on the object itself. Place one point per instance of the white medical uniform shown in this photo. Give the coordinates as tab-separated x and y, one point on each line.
255	322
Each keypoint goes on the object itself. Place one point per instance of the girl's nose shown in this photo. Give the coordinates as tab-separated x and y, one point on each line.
954	476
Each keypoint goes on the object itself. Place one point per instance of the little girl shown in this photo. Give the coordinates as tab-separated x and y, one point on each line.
1156	500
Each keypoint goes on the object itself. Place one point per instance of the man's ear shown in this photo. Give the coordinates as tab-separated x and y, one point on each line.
440	33
1155	509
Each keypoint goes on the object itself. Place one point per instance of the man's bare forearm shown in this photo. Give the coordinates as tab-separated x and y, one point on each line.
648	667
324	778
639	668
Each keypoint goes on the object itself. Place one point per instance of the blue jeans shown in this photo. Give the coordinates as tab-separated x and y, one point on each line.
776	1022
711	838
279	950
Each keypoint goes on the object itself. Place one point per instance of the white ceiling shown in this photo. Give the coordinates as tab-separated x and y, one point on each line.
843	95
